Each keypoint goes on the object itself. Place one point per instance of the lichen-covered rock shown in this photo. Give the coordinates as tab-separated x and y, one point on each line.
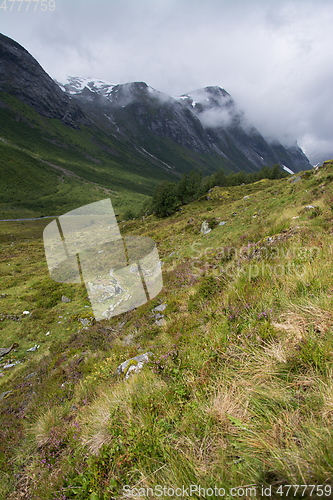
5	394
133	365
160	308
205	229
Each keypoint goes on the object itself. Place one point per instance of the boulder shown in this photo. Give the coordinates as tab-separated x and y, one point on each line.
6	350
133	365
3	395
33	349
205	229
160	308
65	299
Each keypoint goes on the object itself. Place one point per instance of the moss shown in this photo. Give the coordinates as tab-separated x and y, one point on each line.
132	362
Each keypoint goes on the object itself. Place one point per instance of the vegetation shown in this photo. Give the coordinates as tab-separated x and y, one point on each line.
168	196
48	169
239	390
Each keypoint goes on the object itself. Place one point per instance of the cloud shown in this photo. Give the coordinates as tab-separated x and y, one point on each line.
274	58
215	118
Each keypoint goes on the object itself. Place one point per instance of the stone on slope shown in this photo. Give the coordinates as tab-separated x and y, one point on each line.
6	350
205	229
133	365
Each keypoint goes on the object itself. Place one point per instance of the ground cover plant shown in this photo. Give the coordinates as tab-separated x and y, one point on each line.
238	392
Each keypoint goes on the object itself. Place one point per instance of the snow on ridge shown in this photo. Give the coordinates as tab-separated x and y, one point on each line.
76	84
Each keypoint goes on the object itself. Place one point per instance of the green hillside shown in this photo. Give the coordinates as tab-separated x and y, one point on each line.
60	168
238	391
48	168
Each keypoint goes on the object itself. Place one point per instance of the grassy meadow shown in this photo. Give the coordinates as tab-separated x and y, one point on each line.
239	390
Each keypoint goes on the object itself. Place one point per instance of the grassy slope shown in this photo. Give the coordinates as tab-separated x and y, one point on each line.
97	160
240	390
39	156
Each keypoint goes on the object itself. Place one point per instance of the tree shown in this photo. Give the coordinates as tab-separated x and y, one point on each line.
165	199
181	190
276	172
219	178
194	182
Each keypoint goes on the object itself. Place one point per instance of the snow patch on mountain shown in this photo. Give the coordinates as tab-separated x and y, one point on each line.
76	84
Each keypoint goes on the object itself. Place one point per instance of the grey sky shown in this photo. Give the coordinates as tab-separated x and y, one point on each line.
275	58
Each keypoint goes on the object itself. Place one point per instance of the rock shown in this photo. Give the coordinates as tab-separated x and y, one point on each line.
33	349
25	313
208	198
222	223
13	317
133	365
160	322
84	321
205	229
6	350
3	395
30	376
65	299
159	316
11	365
246	197
160	308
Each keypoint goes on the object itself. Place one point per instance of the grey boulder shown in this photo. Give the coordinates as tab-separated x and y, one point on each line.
133	365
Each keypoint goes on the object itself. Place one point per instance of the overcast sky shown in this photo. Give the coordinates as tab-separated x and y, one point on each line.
275	57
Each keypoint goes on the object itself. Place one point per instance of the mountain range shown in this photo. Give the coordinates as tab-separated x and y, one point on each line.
207	122
123	138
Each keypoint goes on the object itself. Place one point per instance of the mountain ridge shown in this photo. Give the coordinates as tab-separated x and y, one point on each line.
208	119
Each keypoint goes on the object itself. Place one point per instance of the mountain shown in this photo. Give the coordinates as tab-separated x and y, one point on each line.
21	76
227	127
62	145
206	122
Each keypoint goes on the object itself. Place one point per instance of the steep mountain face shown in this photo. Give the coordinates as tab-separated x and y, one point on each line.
140	112
22	77
227	126
206	122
